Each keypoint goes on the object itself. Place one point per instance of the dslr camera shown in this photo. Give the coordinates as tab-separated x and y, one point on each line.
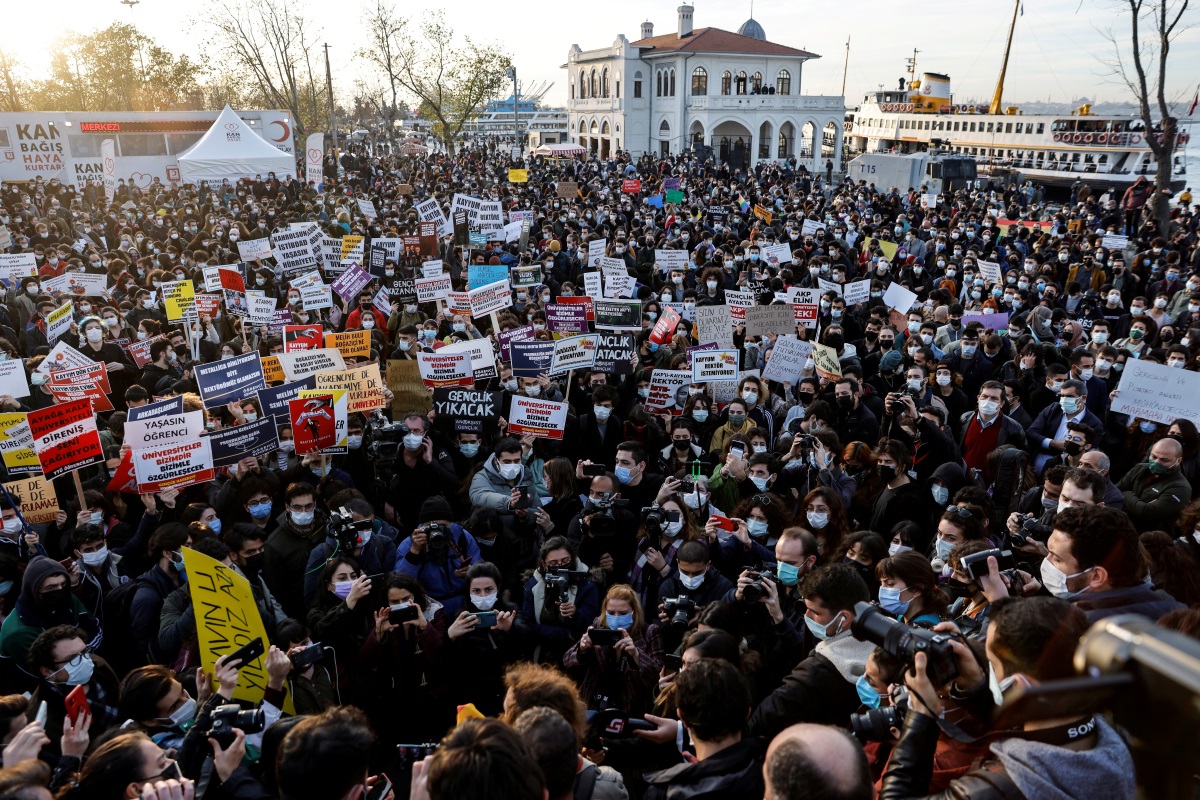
679	610
384	437
344	530
602	523
558	581
439	539
754	591
872	625
654	517
227	717
875	724
976	566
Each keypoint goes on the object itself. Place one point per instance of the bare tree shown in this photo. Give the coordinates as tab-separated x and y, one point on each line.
1149	54
271	45
384	32
449	83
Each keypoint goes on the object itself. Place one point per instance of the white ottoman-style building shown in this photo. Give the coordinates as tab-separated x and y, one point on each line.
735	93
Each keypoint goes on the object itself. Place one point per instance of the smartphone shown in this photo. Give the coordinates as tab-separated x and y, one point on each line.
643	544
308	656
487	619
76	704
247	654
380	788
404	612
672	662
738	449
604	637
726	524
524	501
593	470
40	719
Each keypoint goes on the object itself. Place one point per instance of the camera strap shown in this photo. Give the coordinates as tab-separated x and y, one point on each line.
1063	735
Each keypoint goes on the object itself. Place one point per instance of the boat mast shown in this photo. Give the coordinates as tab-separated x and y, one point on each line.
845	66
995	108
912	68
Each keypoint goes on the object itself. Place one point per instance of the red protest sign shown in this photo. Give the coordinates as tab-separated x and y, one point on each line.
65	438
314	426
301	337
140	351
124	481
631	187
207	304
231	279
664	329
90	373
582	300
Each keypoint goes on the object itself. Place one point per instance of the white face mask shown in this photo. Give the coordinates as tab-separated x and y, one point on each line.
510	472
486	602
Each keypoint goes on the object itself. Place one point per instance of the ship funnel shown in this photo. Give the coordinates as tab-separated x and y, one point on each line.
932	94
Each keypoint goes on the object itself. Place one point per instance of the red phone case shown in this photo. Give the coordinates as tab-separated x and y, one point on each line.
725	524
76	704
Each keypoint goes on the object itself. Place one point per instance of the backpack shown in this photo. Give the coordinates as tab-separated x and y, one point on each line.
119	648
585	782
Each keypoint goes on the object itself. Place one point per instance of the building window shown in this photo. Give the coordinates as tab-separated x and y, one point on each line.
756	82
592	85
617	85
672	83
604	128
783	83
637	84
699	82
741	83
664	129
604	83
726	82
572	91
582	85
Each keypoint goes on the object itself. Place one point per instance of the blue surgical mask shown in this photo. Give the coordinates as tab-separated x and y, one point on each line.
215	526
1070	405
624	474
889	600
788	575
866	693
619	621
943	548
756	527
470	450
760	483
6	587
821	631
260	510
302	518
700	415
941	495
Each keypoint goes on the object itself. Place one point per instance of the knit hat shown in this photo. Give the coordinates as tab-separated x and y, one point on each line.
555	246
494	260
891	359
435	508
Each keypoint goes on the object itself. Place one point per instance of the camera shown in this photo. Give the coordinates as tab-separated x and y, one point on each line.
754	591
687	486
305	658
872	625
679	609
654	517
409	754
975	565
602	523
558	581
227	717
875	724
438	540
344	529
384	437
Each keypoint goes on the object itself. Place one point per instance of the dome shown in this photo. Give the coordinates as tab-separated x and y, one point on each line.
752	29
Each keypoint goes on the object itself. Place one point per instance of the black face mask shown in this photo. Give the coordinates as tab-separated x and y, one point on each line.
887	473
682	444
56	599
806	397
956	589
871	336
254	563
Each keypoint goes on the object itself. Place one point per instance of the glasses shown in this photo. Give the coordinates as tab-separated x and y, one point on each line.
960	512
761	500
77	659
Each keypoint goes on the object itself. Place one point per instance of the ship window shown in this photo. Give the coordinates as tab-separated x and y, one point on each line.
1008	127
973	127
991	127
1041	127
1020	126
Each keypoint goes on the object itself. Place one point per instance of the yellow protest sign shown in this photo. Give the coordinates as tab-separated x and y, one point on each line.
226	619
349	244
518	176
179	298
363	387
826	361
16	444
39	501
888	248
762	214
272	370
351	344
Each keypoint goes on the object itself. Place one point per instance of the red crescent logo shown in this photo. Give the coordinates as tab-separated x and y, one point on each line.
286	130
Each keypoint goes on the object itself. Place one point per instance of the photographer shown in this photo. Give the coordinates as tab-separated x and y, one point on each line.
921	429
438	553
822	687
341	616
621	674
692	586
560	598
908	589
1029	641
359	534
604	532
665	528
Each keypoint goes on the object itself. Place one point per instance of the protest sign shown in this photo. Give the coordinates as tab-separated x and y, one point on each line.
39	501
484	216
664	327
568	190
466	410
254	249
668	390
84	284
483	356
293	250
489	298
58	321
171	405
14	266
575	352
367	208
1157	392
810	227
313	421
525	277
430	211
351	282
250	439
596	249
352	248
434	288
340	416
993	321
272	371
314	298
65	438
351	344
446	370
614	353
408	393
899	298
62	356
776	318
531	358
698	348
208	304
504	338
542	419
12	378
261	310
432	268
1112	241
668	260
714	365
518	176
300	365
827	364
857	292
363	387
990	270
562	318
301	337
776	254
786	360
173	466
458	303
164	430
16	444
738	303
715	324
826	286
618	315
273	400
80	390
674	196
804	302
929	200
226	618
631	186
483	274
231	379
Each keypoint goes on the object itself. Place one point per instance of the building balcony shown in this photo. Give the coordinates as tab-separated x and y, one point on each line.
767	102
596	104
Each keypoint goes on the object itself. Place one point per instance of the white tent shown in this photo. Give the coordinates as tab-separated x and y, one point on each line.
231	149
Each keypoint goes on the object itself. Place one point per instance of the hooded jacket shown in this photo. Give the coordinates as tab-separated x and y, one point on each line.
730	774
30	618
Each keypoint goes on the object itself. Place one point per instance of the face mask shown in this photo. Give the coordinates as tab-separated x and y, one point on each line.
736	420
866	693
287	445
889	600
941	494
968	350
760	483
342	588
510	472
712	285
821	631
413	441
700	415
672	529
95	558
354	442
887	473
818	519
750	397
511	386
486	602
691	583
894	549
756	527
1070	405
1157	468
942	548
1136	311
302	518
1055	581
533	391
943	380
142	336
618	621
602	413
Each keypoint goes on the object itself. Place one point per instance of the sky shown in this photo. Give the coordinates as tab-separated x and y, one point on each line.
1056	48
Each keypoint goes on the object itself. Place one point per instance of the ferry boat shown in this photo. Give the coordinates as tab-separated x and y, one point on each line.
1100	150
539	125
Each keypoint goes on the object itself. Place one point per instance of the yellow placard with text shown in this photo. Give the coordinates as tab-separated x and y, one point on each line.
363	387
351	344
826	361
518	176
272	370
16	444
349	243
37	498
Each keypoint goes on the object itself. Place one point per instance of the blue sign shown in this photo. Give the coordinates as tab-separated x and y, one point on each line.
483	274
531	358
273	400
229	379
231	445
172	405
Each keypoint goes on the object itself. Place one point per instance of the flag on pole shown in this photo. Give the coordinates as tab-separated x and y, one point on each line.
1195	101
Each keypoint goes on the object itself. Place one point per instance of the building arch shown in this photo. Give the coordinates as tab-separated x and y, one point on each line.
593	128
672	83
583	126
740	82
696	133
787	140
592	84
764	138
604	127
582	84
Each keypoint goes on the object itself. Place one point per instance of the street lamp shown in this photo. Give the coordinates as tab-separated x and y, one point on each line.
512	74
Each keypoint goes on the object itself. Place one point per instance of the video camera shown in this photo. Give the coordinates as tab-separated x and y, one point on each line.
654	517
975	565
227	717
344	529
872	625
613	724
755	590
602	523
558	581
679	609
384	437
